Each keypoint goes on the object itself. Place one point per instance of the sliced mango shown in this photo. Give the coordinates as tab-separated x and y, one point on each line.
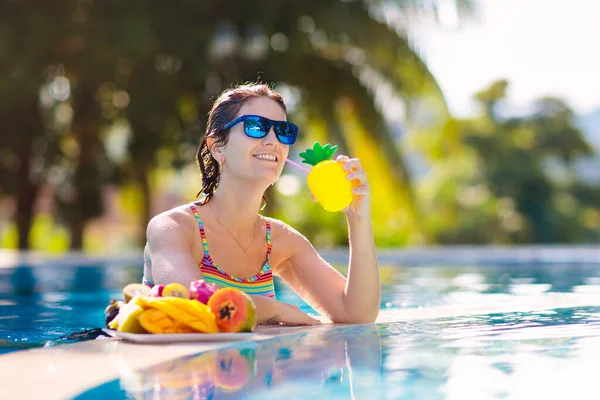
114	324
191	313
156	321
128	318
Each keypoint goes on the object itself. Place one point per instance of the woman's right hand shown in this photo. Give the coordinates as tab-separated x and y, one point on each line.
270	311
292	315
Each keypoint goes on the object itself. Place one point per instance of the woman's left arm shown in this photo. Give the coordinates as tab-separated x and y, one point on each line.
354	299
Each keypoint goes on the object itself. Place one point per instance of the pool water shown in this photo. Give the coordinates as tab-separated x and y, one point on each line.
549	355
447	332
45	308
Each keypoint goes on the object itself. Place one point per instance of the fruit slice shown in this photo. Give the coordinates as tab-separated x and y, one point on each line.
128	318
156	321
157	290
188	312
112	310
114	323
176	290
201	291
135	289
234	310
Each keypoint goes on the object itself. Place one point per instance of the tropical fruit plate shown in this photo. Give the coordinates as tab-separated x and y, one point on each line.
172	313
145	338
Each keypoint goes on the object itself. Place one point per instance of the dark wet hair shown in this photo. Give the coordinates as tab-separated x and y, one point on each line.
225	109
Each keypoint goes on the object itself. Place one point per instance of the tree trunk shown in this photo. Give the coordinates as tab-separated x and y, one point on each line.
29	126
77	230
87	202
24	218
142	179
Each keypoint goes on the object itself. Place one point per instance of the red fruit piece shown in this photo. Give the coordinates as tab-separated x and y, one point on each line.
157	290
202	291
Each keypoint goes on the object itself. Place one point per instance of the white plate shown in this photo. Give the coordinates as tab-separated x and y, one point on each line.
179	337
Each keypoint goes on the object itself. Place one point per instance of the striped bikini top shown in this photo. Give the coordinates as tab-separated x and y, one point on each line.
260	284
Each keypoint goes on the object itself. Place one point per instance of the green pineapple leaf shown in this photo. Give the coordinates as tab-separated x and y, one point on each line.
318	153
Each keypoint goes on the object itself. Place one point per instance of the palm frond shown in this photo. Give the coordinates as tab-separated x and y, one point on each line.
343	84
384	48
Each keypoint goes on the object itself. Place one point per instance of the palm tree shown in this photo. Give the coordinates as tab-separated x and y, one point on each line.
27	144
332	52
347	59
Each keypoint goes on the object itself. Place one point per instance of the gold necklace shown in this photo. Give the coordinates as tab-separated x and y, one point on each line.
245	250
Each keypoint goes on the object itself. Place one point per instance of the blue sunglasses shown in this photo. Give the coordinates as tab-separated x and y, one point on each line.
258	127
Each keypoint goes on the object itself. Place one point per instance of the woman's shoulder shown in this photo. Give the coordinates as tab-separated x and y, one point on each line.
283	232
177	218
287	242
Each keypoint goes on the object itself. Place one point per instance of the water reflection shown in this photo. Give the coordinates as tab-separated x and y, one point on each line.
529	355
324	362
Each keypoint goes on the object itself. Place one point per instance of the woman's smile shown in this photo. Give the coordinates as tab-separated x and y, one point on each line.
267	157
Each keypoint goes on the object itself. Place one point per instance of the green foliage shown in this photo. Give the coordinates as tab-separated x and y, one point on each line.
145	78
510	180
158	68
318	153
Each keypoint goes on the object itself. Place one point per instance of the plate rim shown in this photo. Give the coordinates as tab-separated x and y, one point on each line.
178	337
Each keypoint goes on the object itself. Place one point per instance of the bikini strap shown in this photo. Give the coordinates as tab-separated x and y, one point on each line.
205	243
268	225
201	227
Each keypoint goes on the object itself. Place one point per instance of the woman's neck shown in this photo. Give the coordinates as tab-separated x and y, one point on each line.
236	205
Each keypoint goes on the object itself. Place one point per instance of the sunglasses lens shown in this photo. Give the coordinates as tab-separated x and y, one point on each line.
256	127
286	132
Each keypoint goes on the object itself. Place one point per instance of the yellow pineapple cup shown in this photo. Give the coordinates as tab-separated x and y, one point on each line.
327	179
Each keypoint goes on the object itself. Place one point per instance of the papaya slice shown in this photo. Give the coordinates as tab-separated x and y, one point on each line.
234	310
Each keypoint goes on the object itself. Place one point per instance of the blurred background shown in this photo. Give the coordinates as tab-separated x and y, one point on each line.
478	121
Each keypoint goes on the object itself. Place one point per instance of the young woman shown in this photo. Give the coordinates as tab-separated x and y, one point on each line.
224	240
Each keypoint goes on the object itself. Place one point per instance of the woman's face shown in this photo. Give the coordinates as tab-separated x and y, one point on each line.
256	159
